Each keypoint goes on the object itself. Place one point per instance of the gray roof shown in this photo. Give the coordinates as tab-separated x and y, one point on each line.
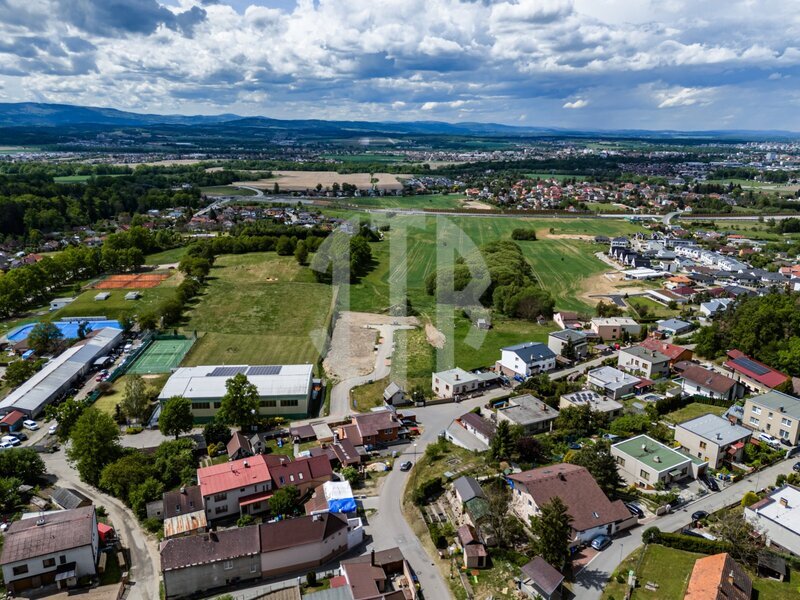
63	530
456	375
68	498
569	334
546	577
530	351
391	390
468	488
612	378
209	381
716	429
527	410
789	405
652	356
674	324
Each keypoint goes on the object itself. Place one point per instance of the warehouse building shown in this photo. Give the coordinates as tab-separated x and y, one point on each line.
285	390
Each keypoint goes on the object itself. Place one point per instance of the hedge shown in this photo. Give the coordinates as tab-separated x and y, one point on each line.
667	405
689	543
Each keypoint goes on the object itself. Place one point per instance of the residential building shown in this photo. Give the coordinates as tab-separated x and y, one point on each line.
383	575
378	427
481	428
458	435
612	382
466	488
453	383
540	580
198	563
474	552
713	439
615	328
644	462
526	359
715	307
777	518
591	511
560	342
528	412
297	545
775	413
596	402
699	381
673	352
283	390
239	446
567	320
394	395
184	513
647	363
718	577
674	326
56	548
753	374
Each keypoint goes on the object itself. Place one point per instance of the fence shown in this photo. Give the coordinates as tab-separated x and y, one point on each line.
264	589
147	339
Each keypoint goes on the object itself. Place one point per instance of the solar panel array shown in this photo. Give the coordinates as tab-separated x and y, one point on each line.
264	370
226	371
748	364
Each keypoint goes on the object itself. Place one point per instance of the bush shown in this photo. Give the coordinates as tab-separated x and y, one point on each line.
134	429
691	543
523	234
437	536
651	535
311	579
153	525
428	488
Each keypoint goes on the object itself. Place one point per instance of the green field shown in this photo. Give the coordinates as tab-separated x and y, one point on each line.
259	308
161	356
760	186
226	190
692	411
655	309
79	178
166	257
365	157
421	202
116	306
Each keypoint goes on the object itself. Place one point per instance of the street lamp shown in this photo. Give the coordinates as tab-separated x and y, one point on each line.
415	465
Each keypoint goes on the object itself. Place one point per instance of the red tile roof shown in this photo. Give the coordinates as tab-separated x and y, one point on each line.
771	378
718	577
671	351
12	417
231	475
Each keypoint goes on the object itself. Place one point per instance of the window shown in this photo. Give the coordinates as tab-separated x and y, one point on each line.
21	570
769	415
784	434
756	410
703	445
220	497
620	461
227	565
62	560
201	405
754	421
221	509
253	567
217	404
787	422
644	475
268	403
49	562
289	402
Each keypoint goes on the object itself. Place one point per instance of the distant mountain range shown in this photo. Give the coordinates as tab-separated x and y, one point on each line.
42	115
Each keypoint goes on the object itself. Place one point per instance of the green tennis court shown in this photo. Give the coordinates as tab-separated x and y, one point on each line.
161	356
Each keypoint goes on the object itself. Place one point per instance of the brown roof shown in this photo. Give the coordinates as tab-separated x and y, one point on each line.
363	579
478	423
183	501
467	535
179	553
290	533
239	442
375	422
546	577
708	379
302	470
718	577
60	531
346	452
350	432
587	504
304	432
671	351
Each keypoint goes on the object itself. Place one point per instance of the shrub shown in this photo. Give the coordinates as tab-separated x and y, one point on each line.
691	543
311	579
427	489
134	429
152	525
437	536
651	535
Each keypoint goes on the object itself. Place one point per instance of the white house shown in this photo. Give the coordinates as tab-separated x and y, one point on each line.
777	517
526	359
558	341
712	308
453	382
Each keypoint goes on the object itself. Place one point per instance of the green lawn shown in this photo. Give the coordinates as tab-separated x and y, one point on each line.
259	308
80	178
655	309
108	401
432	201
116	306
369	395
690	411
226	190
166	257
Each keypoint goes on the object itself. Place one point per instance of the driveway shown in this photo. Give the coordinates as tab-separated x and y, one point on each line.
592	579
582	367
144	558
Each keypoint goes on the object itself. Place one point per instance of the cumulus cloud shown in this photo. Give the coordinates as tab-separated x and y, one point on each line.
579	103
683	96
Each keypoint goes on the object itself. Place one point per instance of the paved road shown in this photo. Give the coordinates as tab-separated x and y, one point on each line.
144	558
668	217
591	581
582	367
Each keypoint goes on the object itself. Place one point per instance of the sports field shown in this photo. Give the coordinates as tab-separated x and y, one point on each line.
131	281
161	356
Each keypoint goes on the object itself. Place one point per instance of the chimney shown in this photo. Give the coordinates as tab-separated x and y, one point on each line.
456	376
731	577
372	558
644	447
719	436
246	464
657	459
784	503
561	477
183	490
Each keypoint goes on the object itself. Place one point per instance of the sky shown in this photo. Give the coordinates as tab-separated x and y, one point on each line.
599	64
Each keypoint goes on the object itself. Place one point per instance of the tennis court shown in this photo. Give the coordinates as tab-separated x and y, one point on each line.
161	356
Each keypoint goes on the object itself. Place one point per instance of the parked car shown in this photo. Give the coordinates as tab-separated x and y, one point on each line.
635	510
30	424
52	429
20	435
768	439
699	515
5	445
601	542
406	466
786	442
710	483
10	439
796	467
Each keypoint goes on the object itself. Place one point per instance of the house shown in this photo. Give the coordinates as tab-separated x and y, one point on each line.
713	439
481	428
560	343
777	518
644	462
394	394
567	320
591	511
69	499
699	381
648	363
57	303
183	512
283	390
194	564
529	413
454	383
673	352
526	359
775	413
620	242
674	326
475	554
12	422
465	488
612	382
332	497
382	426
297	545
56	548
596	402
383	575
239	446
718	577
538	579
615	328
458	435
753	374
716	307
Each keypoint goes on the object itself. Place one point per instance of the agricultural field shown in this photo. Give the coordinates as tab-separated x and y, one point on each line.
259	308
226	190
299	181
786	189
659	311
366	157
421	202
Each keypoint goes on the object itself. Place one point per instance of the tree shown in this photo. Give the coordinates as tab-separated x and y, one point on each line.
136	399
66	415
83	329
176	416
44	337
749	499
580	421
175	462
552	528
215	432
630	424
301	253
502	443
284	246
148	320
530	450
506	528
284	501
737	532
350	475
19	371
599	461
151	489
240	404
9	494
23	463
95	443
121	476
311	579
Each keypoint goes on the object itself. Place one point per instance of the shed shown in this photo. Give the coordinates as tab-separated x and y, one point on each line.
772	566
133	295
68	498
102	296
539	579
12	422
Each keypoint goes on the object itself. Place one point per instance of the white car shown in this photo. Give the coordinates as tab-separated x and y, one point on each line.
29	424
52	429
5	445
10	439
768	439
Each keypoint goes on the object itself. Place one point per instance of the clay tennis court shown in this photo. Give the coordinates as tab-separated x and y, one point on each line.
136	280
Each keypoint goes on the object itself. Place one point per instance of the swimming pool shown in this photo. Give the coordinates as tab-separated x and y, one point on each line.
68	328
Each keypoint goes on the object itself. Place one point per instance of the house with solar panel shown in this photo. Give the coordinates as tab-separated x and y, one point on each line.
284	390
754	375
